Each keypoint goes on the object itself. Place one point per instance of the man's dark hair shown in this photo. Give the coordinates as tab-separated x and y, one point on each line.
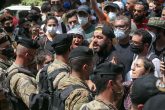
23	14
49	18
146	36
62	50
41	56
105	72
102	81
144	4
76	64
36	9
71	13
46	7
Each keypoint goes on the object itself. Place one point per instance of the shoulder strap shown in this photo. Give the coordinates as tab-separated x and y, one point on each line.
43	77
16	103
3	65
54	73
19	70
66	92
52	76
152	56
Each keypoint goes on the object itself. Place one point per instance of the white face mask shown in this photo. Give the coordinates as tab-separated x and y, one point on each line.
51	29
112	15
82	20
59	19
120	34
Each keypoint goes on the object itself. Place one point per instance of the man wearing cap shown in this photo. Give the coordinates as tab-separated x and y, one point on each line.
84	19
61	45
102	43
21	80
81	63
155	103
157	26
110	10
108	80
142	89
4	64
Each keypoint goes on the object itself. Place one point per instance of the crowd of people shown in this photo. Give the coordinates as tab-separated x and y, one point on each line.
84	55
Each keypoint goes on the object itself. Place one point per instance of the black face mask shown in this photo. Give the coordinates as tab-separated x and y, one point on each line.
8	52
136	49
9	28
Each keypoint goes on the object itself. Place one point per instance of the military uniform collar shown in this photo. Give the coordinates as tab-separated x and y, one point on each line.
108	104
16	65
58	61
78	81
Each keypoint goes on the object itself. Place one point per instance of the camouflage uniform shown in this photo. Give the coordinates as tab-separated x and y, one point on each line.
4	104
22	85
57	64
98	105
78	97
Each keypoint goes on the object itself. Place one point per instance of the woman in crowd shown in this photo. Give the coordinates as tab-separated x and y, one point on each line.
50	29
142	66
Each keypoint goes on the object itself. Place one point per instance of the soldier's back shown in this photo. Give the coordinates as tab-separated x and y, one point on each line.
4	104
78	96
55	66
22	84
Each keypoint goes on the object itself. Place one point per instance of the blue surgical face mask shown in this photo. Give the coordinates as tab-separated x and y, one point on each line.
120	34
112	16
83	20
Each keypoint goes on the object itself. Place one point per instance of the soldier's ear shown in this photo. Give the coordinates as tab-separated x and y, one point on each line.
85	67
26	54
140	106
110	84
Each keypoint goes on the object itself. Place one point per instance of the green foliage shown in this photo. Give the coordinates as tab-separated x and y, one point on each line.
32	2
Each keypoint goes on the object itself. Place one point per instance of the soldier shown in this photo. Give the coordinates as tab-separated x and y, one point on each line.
81	63
142	90
61	45
4	64
21	80
108	81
